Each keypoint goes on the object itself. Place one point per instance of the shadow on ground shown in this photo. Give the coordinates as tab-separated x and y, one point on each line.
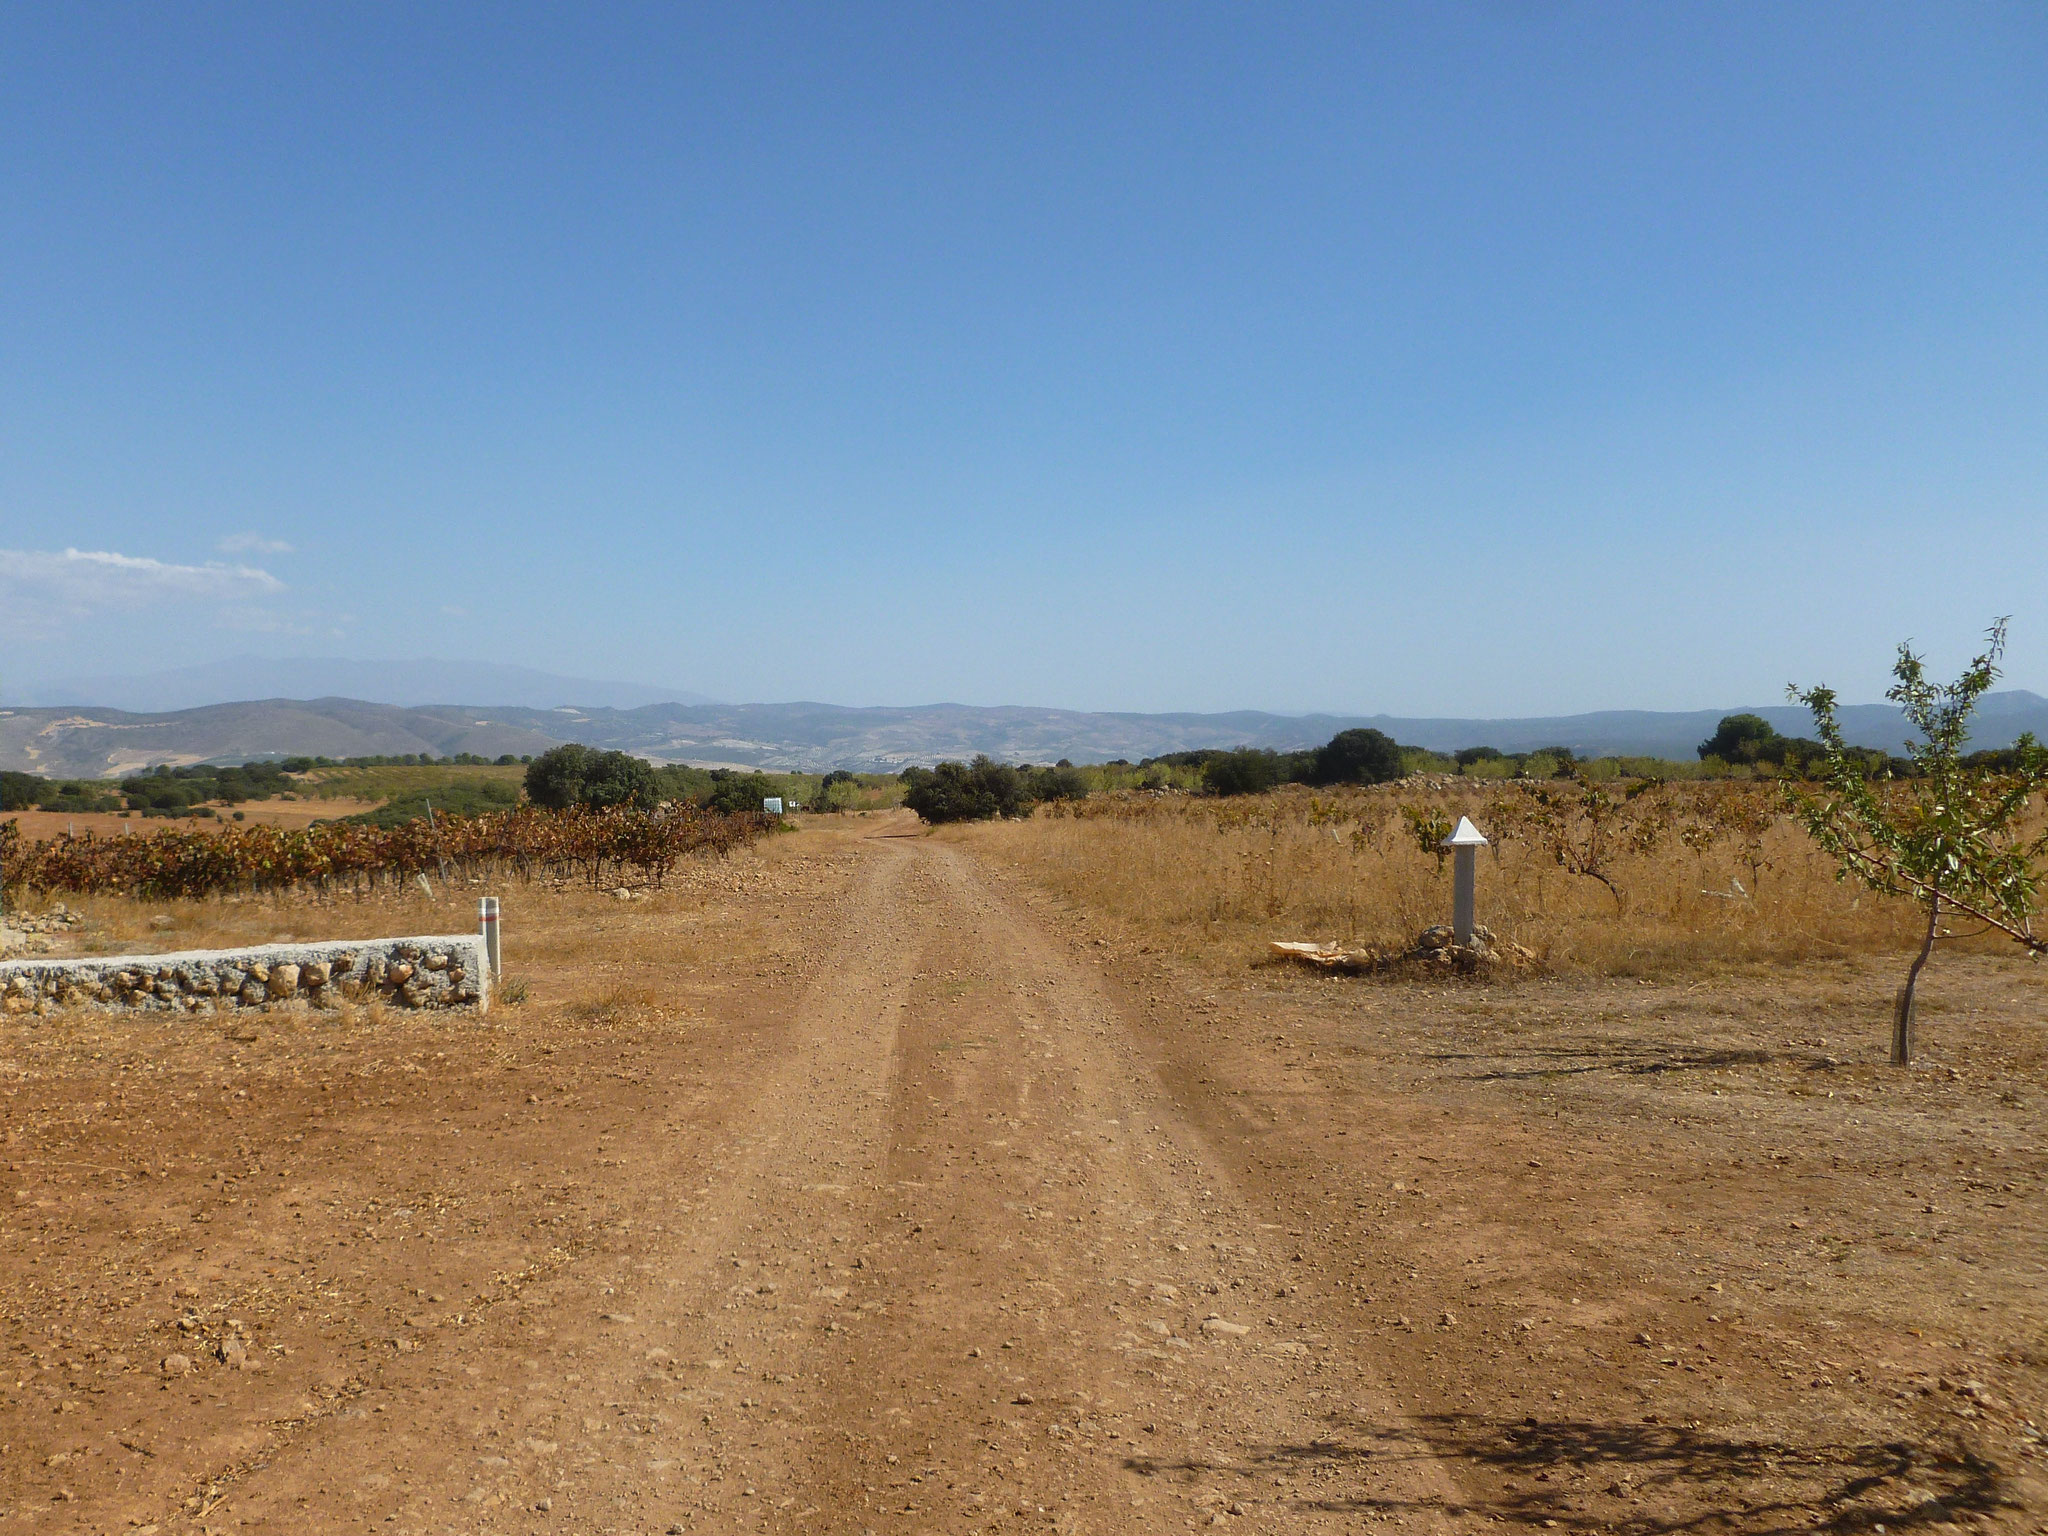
1641	1479
1637	1061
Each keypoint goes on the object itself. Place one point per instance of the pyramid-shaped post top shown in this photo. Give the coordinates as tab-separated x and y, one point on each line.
1464	835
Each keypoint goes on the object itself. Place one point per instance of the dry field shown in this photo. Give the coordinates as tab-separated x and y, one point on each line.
992	1180
1694	875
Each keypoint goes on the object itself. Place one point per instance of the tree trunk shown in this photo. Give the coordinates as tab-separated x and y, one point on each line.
1902	1018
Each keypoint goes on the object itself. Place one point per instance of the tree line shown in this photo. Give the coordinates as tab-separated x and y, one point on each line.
984	788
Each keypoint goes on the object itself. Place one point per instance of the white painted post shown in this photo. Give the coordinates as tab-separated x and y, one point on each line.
1464	842
487	914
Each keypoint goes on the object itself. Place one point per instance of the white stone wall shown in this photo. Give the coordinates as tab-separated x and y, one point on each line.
437	972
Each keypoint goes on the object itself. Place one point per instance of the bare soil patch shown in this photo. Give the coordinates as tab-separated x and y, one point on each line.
862	1182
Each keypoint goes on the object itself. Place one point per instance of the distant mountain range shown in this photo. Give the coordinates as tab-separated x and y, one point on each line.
93	742
409	683
2001	718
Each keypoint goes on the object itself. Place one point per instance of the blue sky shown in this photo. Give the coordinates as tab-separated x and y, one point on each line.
1485	359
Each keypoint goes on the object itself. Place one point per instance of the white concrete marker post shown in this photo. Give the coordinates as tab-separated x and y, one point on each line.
1464	842
487	917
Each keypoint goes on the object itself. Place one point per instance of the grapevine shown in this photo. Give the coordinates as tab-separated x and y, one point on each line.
574	844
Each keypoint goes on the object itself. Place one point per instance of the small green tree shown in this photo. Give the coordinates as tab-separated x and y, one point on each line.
1429	826
975	791
1246	771
619	778
573	774
735	794
1361	756
21	791
1740	739
1057	783
555	778
1950	835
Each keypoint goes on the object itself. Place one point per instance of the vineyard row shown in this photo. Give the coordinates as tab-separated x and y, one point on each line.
572	844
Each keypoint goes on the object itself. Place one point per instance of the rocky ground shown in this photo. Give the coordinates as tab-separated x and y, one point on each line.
40	933
853	1185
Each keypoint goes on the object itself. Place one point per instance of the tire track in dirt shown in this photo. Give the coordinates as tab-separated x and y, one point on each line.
1072	1315
959	1265
642	1378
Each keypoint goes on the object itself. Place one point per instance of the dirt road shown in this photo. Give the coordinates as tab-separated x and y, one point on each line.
909	1214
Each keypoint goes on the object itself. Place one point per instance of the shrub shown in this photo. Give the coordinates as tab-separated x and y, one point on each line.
1548	763
974	791
554	780
837	791
619	778
21	791
1740	739
734	794
1247	771
679	781
1362	756
165	788
573	774
1751	740
459	797
1061	782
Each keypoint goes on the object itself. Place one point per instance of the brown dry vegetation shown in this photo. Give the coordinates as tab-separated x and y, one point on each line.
39	825
1215	878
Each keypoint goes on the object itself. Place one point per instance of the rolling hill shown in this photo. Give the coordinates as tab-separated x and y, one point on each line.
412	683
85	742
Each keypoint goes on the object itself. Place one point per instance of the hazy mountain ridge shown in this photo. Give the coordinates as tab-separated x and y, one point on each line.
421	682
86	742
815	736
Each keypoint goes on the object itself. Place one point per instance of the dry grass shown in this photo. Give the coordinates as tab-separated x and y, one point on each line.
701	915
1207	876
124	925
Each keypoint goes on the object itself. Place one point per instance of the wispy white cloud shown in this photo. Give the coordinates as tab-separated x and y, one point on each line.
252	544
39	586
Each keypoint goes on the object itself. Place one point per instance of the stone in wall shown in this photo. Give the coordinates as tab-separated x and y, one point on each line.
433	972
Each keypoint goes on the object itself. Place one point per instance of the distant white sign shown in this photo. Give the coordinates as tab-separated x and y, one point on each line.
772	805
